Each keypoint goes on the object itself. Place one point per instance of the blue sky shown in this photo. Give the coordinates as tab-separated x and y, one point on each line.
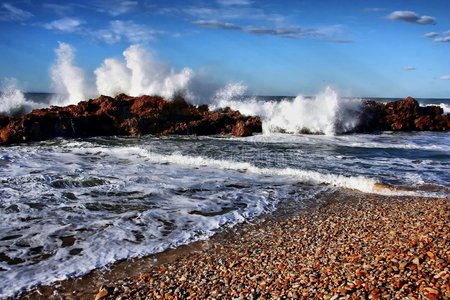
388	48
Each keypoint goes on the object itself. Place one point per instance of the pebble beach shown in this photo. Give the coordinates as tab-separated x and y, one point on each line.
352	246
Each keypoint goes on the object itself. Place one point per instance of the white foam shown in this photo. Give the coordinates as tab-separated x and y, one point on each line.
12	99
326	113
380	141
360	183
445	107
68	79
147	205
140	74
148	199
112	77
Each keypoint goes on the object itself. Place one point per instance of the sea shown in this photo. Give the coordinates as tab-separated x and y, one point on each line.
69	206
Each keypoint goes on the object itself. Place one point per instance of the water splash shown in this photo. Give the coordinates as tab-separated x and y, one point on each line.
140	74
12	99
68	79
326	113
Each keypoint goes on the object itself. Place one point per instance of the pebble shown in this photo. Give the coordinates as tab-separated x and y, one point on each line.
354	246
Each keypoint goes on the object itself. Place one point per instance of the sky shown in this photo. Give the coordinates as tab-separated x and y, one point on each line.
384	48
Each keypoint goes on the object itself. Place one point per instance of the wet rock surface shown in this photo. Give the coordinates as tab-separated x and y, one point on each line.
124	115
401	115
134	116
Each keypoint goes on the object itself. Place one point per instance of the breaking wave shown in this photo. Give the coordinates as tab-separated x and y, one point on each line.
12	99
326	113
140	74
68	79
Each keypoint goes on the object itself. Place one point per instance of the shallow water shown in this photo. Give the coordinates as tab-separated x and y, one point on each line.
70	206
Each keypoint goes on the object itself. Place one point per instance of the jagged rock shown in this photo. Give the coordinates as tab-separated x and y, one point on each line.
125	115
122	115
241	130
401	115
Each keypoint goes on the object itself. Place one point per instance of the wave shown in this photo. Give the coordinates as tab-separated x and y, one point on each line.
445	106
140	74
326	113
68	79
12	99
380	141
359	183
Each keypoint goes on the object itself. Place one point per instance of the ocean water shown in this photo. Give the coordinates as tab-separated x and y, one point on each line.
71	206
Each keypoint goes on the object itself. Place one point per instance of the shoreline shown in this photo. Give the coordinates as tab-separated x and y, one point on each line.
86	286
349	244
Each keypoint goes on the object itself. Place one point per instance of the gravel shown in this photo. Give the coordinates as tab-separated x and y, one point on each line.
354	246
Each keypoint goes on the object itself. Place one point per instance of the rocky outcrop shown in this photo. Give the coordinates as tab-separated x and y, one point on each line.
125	115
401	115
134	116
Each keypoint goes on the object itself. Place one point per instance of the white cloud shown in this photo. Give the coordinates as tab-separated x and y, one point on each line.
330	33
445	77
228	10
11	13
65	25
431	35
409	68
374	9
438	38
234	2
411	17
59	9
126	31
445	39
117	7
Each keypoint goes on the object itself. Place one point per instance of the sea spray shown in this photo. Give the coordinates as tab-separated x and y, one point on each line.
140	74
12	99
68	79
326	113
112	77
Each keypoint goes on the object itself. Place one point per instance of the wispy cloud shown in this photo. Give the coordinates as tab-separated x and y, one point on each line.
234	2
411	17
445	77
409	68
374	9
444	39
227	11
65	25
437	37
431	35
329	33
59	9
11	13
126	31
117	7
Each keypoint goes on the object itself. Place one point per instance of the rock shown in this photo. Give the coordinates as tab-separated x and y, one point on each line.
241	130
102	293
124	115
401	115
4	120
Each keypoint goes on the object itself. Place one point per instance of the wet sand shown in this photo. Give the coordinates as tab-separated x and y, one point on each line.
350	245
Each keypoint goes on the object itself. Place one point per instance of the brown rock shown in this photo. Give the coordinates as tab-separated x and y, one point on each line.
124	115
401	115
241	130
102	293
